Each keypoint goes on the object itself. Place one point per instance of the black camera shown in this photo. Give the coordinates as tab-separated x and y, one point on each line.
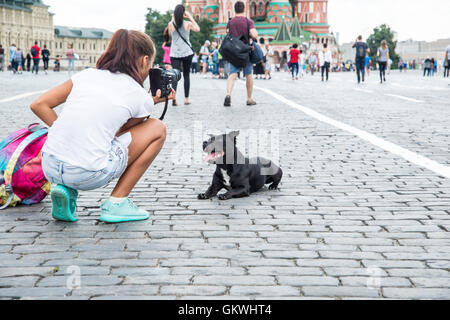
161	79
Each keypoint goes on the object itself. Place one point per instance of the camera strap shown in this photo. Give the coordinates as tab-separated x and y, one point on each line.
166	106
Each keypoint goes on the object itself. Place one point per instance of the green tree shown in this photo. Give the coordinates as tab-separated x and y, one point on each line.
379	34
157	22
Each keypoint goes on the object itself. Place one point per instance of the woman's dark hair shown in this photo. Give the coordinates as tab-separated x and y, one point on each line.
124	51
178	15
325	45
239	7
166	36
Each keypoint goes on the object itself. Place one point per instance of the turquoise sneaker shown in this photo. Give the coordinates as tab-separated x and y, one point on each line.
64	203
123	212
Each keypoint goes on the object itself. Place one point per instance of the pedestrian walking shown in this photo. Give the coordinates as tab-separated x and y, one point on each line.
204	57
367	63
241	26
28	59
215	59
95	140
295	54
427	67
181	51
361	50
325	59
45	58
2	58
447	59
268	57
12	54
259	69
35	53
383	58
313	62
19	59
166	47
194	64
70	55
302	63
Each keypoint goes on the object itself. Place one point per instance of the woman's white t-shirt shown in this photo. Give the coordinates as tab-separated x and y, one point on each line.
99	104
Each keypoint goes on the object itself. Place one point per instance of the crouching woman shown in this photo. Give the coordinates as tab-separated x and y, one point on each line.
103	132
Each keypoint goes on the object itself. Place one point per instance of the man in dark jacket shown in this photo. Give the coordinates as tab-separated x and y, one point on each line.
361	50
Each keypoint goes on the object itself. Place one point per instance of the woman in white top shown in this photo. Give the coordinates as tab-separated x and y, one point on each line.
103	132
325	59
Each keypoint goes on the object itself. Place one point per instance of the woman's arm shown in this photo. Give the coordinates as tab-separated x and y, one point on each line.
193	25
44	105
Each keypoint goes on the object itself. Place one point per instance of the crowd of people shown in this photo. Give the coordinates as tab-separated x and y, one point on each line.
29	61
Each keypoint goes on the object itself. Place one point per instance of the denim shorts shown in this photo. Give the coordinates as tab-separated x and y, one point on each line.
248	69
58	172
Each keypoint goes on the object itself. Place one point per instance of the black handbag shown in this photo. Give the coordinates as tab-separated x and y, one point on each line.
235	51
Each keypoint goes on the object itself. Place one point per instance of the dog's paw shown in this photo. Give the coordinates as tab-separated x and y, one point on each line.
273	187
202	196
224	197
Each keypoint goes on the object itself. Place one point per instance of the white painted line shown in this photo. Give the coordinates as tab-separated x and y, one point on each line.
21	96
403	98
363	90
410	156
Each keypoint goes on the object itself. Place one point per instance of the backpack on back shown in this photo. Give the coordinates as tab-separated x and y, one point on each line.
33	52
21	177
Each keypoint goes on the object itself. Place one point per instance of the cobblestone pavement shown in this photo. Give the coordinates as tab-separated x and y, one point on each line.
350	220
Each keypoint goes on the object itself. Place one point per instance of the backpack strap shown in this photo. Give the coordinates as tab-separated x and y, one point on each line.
13	162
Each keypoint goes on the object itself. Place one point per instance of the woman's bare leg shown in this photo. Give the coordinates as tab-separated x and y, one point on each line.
147	141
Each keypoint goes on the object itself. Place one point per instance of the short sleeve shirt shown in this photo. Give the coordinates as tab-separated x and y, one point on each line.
240	26
99	104
294	55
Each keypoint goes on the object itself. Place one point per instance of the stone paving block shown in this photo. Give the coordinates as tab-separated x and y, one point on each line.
128	290
344	271
333	291
33	292
197	262
15	282
206	271
139	271
422	273
234	280
158	280
416	293
97	280
193	290
274	291
431	282
373	281
307	281
285	271
328	263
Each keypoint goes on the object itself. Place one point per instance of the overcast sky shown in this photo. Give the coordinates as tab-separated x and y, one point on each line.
417	19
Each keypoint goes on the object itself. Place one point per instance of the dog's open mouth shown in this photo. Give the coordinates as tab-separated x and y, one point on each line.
214	156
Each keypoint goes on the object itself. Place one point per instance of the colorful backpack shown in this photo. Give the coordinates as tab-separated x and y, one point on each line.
21	177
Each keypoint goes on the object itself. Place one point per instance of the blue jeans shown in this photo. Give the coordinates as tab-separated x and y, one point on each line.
295	69
71	65
360	66
58	172
35	65
248	69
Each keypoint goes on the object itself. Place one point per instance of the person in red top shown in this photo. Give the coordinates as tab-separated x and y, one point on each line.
35	52
295	53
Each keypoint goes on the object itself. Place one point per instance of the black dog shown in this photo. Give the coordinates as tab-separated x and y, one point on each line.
240	176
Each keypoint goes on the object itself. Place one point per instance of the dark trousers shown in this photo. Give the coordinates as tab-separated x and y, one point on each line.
325	69
45	64
447	69
294	69
35	65
194	67
186	62
360	66
427	72
383	66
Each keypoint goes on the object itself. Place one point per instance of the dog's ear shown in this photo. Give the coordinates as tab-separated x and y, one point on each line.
234	134
211	135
